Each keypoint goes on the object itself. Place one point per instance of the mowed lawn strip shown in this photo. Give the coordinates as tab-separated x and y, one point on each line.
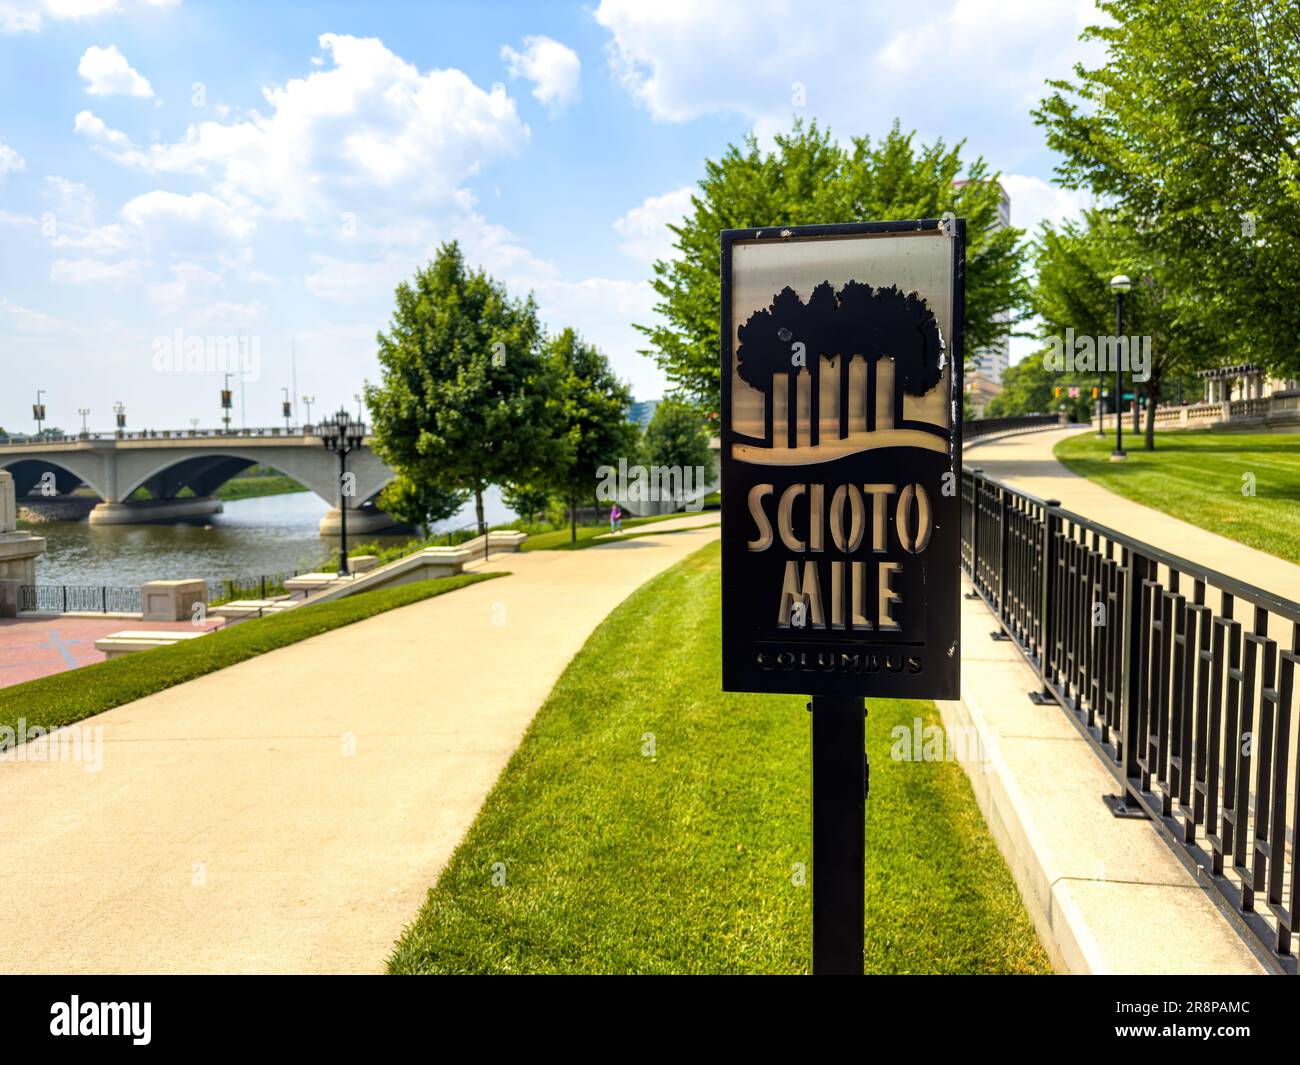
1205	479
560	539
650	823
64	698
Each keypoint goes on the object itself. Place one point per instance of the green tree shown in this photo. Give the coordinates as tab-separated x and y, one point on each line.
1075	264
1190	124
420	503
809	178
678	436
592	428
527	500
467	398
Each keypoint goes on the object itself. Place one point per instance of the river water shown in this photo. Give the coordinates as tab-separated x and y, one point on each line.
251	537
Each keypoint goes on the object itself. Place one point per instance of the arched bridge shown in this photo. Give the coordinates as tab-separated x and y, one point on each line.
114	465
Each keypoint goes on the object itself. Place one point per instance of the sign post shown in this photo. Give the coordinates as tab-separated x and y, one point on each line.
841	474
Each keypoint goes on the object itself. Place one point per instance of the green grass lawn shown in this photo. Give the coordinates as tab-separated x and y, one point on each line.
684	861
254	487
64	698
559	539
1199	477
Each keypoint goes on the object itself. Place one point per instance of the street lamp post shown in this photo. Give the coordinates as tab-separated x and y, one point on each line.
308	401
1119	284
341	435
287	408
119	408
1101	410
38	410
84	412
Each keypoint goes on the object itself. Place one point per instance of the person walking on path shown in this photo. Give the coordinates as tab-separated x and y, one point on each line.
615	520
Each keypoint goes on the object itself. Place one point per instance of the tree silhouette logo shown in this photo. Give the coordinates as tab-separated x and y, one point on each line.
797	342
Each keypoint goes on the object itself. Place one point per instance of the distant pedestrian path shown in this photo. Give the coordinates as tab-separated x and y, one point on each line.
1026	462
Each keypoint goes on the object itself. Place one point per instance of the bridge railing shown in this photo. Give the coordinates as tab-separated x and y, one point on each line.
1182	678
975	428
260	432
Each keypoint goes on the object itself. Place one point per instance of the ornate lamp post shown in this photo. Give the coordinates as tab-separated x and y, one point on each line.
341	435
38	410
309	400
119	408
286	408
1119	284
84	412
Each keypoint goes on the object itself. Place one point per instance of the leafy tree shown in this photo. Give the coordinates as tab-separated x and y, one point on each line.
678	436
1029	387
420	503
592	427
467	398
1075	264
809	178
1190	125
527	500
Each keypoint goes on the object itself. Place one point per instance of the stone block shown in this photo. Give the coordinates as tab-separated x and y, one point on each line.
171	600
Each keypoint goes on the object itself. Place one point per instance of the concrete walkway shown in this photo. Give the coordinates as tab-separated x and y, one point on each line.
289	813
1027	463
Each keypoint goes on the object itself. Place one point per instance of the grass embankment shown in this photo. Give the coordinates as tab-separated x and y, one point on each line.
67	697
682	859
1202	478
561	539
275	484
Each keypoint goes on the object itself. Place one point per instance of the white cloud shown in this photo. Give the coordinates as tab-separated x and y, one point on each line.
95	271
370	135
23	320
197	295
942	66
28	16
10	161
553	68
644	229
198	220
107	73
1034	201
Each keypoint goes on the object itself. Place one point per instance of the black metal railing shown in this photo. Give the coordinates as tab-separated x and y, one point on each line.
258	586
1182	678
83	599
974	428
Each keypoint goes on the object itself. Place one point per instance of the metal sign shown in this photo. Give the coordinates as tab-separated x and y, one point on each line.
841	459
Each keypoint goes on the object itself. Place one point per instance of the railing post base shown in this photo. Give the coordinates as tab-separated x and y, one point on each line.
1120	807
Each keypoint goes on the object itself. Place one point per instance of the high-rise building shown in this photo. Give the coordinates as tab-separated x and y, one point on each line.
986	365
991	361
641	411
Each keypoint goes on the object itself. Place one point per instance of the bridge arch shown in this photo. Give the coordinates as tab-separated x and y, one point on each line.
205	470
70	471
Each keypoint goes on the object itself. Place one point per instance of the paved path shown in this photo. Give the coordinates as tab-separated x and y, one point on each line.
289	813
1027	462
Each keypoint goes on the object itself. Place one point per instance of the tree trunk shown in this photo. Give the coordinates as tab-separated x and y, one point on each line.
478	510
1153	389
573	521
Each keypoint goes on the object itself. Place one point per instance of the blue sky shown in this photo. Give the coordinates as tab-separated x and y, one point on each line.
273	170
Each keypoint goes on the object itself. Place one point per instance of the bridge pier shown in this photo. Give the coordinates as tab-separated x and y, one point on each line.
149	510
361	520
